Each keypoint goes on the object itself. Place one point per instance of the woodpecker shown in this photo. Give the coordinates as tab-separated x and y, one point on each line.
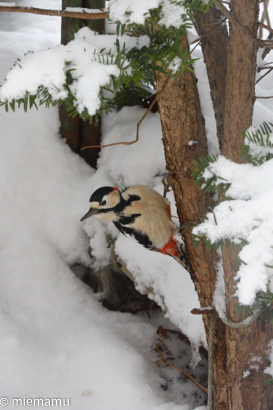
138	211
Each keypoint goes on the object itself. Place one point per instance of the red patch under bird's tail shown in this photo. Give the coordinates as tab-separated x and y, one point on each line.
171	248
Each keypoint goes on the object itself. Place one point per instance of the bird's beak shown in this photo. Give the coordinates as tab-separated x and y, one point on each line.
91	212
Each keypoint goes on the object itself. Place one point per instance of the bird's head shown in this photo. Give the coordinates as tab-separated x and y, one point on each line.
102	204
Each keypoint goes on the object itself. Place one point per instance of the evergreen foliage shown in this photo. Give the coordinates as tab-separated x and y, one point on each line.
138	67
259	144
258	148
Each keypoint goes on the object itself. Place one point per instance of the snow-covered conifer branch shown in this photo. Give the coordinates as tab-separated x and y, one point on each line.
245	218
130	60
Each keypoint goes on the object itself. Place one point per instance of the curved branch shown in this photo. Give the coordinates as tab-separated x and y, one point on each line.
138	124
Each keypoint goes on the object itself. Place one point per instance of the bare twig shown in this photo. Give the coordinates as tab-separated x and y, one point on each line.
269	70
234	20
166	186
268	28
138	124
198	40
267	49
181	370
58	13
265	17
265	98
203	311
263	68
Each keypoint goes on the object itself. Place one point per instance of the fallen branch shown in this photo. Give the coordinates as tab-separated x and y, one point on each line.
181	370
58	13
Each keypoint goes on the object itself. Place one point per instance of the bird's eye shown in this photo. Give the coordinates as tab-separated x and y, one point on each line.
103	203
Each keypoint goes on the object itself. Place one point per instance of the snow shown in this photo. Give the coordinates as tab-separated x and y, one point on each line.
56	339
269	369
82	10
219	296
173	14
248	216
138	11
168	283
121	164
49	68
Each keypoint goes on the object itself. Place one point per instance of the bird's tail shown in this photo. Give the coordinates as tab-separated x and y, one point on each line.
171	248
176	249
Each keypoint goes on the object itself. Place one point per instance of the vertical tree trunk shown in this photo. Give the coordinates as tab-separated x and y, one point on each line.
184	140
77	132
240	82
248	344
237	386
214	42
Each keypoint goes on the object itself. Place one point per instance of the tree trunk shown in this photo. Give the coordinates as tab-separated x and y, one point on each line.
245	346
77	132
214	42
240	82
239	354
184	140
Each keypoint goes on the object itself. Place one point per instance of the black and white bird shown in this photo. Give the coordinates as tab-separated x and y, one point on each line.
139	211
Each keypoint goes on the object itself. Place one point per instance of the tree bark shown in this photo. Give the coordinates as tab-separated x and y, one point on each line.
77	132
240	82
184	140
246	346
214	42
239	354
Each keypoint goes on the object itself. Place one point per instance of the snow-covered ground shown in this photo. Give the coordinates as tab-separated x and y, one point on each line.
56	339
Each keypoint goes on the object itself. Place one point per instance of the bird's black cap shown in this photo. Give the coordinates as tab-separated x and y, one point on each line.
99	193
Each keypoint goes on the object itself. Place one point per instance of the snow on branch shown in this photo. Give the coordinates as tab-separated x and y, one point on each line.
63	72
85	14
245	218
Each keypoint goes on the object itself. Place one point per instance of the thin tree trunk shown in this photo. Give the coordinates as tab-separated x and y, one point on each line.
214	42
184	140
246	346
240	82
77	132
